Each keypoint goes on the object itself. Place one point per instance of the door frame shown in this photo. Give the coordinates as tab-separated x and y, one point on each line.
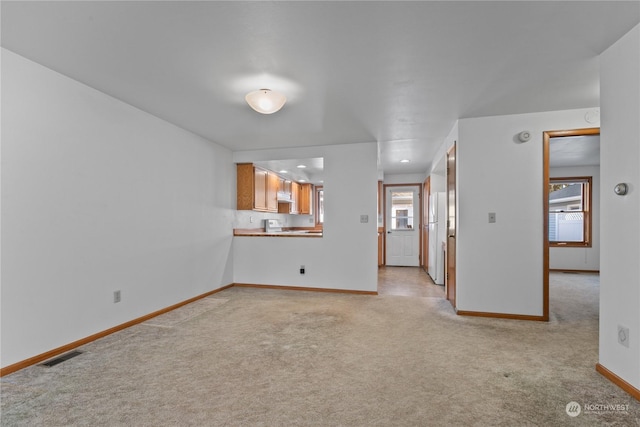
546	139
450	258
384	216
424	228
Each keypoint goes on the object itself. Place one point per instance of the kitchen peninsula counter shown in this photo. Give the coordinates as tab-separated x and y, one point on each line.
258	232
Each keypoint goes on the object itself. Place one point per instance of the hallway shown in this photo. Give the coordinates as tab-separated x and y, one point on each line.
407	282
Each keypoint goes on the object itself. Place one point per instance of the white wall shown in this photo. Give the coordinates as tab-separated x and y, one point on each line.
568	258
346	256
99	196
409	178
499	265
438	171
438	181
620	224
439	163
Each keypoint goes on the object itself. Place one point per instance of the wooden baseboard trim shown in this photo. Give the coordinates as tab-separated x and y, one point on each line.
501	315
564	270
301	288
634	392
68	347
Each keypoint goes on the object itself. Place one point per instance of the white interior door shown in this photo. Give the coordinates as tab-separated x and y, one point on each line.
403	225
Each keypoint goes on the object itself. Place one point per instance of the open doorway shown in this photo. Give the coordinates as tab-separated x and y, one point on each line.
571	202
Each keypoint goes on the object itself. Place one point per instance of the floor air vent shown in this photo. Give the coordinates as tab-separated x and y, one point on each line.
54	362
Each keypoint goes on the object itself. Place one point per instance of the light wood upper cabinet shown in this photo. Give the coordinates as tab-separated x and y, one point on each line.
257	189
301	195
292	208
245	186
260	190
284	186
272	192
306	194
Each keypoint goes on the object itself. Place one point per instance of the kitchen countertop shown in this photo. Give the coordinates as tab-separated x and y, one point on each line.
258	232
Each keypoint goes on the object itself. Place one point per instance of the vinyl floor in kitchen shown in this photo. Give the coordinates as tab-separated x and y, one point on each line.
408	282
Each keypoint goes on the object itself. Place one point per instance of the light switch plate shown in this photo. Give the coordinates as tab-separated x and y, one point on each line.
492	217
364	218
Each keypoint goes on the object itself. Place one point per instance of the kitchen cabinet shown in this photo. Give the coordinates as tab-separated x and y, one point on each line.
291	208
284	187
271	192
260	189
301	195
306	194
295	196
285	207
257	189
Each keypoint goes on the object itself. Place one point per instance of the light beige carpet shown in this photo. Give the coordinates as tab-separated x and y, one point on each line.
256	357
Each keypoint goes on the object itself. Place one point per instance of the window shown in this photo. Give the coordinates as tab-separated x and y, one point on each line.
401	210
319	206
570	212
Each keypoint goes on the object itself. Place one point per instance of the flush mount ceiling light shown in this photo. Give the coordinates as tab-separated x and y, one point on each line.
404	161
265	101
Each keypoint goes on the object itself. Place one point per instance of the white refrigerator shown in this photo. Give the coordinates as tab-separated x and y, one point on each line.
437	232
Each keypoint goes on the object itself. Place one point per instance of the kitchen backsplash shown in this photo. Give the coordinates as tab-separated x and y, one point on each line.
253	219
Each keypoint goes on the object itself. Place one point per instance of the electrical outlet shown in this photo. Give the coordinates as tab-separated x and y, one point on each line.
116	296
623	335
250	219
302	269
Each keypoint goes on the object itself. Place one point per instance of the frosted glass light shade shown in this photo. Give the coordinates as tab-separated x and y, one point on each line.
265	101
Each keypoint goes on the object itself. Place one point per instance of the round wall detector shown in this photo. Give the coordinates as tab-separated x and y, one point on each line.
621	189
524	136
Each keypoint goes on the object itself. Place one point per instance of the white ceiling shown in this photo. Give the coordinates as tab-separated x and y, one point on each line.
302	170
396	73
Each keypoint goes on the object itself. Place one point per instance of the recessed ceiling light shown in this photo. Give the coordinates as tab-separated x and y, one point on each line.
283	171
301	166
404	161
303	180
